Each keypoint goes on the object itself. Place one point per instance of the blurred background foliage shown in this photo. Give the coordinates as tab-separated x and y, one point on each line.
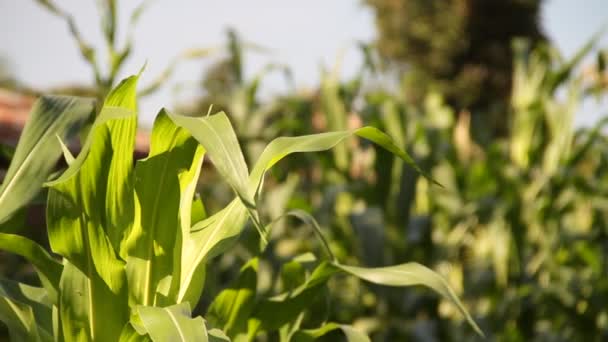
460	48
475	91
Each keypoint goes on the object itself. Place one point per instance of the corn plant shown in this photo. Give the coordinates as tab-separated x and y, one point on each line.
502	233
517	206
134	253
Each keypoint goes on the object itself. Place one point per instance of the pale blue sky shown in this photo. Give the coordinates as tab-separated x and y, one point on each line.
302	34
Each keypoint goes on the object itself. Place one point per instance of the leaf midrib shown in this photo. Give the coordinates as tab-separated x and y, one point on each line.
230	161
29	156
201	254
177	326
150	249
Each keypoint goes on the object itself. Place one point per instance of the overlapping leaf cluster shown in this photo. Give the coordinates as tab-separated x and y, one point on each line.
133	252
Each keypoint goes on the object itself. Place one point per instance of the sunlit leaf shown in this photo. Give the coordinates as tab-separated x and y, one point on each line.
89	209
173	323
151	242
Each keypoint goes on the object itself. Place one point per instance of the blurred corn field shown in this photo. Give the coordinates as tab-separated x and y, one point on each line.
519	225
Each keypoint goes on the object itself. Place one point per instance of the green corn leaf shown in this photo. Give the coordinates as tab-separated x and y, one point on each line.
231	308
88	309
119	197
310	335
186	247
89	209
199	212
218	138
407	275
48	269
284	146
209	238
67	155
152	240
173	323
38	149
26	311
216	233
91	205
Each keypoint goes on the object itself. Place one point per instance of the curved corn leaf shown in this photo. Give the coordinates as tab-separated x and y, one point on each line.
150	244
218	138
310	335
410	274
214	234
26	311
281	147
209	238
48	269
399	275
38	149
173	323
90	206
185	246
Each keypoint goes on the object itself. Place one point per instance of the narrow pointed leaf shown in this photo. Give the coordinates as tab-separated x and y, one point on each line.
90	206
284	146
89	210
38	149
67	155
407	275
217	136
